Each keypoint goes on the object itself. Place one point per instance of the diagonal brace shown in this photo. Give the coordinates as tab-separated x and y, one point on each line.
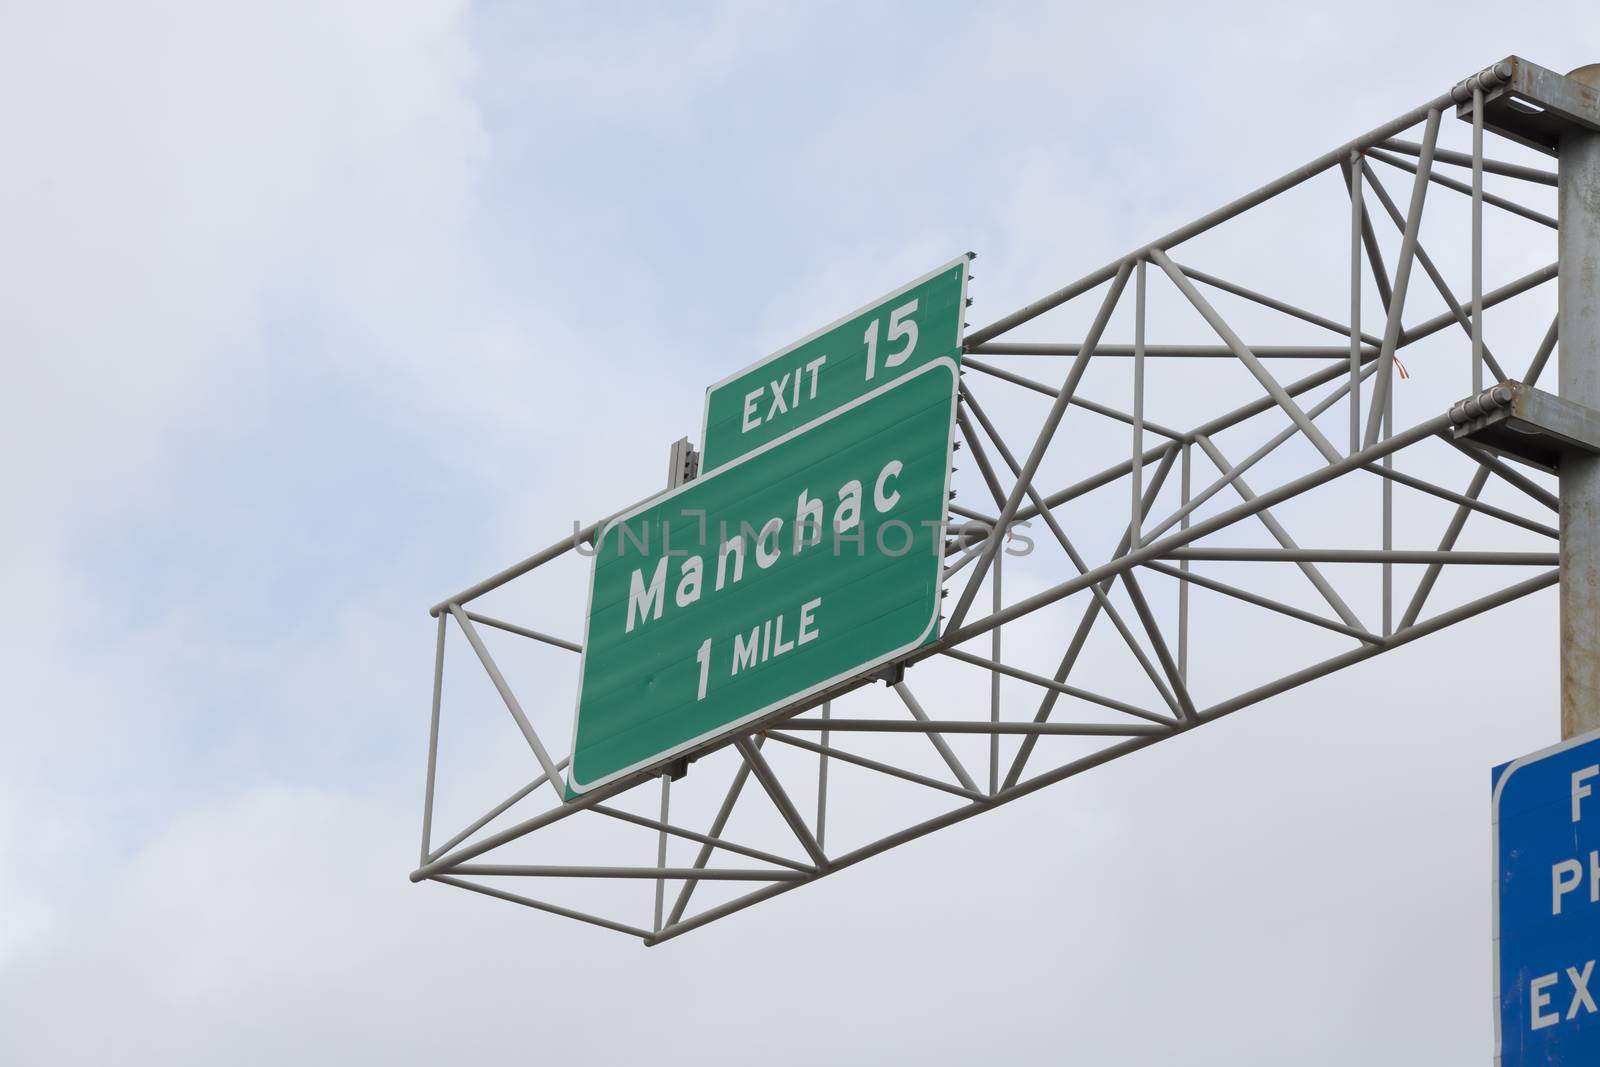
1322	585
1069	658
551	771
1393	329
956	767
1247	357
1100	594
791	815
1432	271
1047	433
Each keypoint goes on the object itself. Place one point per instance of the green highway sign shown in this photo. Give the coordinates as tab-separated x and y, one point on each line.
890	337
799	565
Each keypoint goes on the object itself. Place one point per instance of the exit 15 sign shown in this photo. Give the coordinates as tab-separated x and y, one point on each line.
888	338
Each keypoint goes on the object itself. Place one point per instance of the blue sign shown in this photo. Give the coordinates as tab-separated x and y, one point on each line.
1547	906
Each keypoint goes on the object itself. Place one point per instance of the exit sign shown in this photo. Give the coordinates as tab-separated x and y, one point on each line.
889	338
797	567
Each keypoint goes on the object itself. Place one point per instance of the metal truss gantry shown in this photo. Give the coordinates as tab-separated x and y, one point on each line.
1172	502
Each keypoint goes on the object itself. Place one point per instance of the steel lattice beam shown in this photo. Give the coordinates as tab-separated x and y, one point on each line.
1138	593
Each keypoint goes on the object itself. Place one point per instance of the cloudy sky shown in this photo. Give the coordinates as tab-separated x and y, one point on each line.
314	313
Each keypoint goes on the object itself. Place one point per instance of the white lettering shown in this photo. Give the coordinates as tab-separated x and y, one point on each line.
641	599
1581	790
808	628
751	421
734	548
899	328
1561	884
1539	998
745	649
1580	989
811	369
648	593
778	406
807	513
772	637
690	572
767	557
848	517
883	503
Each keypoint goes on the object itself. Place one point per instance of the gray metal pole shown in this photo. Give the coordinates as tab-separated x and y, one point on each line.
1183	586
1137	468
1402	280
822	781
955	764
780	799
661	849
1461	187
433	742
1477	240
1579	286
551	774
994	682
1356	204
718	824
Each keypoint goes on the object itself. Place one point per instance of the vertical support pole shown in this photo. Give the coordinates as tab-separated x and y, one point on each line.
1356	203
1383	388
1383	381
1579	295
1477	239
683	465
661	847
1138	402
1388	518
1183	585
994	682
822	780
433	742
